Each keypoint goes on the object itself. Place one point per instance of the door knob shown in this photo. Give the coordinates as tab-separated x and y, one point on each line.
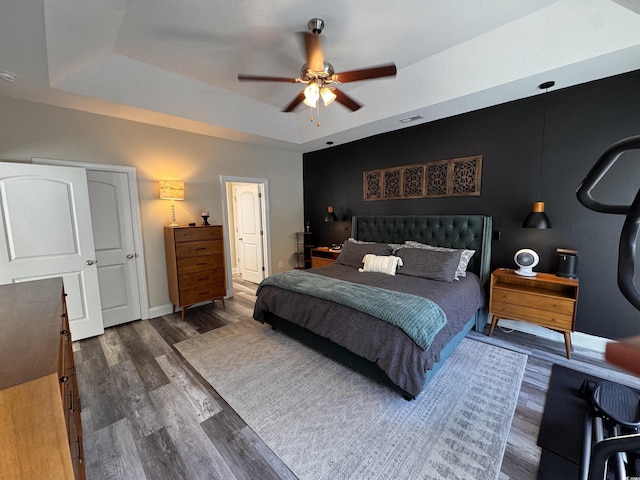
91	262
130	256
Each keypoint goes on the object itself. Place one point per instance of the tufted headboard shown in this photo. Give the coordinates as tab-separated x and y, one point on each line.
455	231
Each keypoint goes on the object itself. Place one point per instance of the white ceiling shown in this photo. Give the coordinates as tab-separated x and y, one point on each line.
175	62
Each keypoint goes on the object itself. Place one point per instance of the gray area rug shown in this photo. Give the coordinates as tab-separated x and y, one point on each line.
326	421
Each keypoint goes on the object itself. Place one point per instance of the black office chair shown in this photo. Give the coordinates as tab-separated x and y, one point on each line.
612	427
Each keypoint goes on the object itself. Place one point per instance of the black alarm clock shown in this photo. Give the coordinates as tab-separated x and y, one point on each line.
526	259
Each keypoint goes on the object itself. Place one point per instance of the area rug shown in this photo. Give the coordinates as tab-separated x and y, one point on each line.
325	421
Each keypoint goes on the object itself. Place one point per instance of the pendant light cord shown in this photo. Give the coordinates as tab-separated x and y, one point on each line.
546	86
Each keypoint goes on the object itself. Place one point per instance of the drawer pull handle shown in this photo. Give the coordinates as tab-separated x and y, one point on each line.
199	264
200	248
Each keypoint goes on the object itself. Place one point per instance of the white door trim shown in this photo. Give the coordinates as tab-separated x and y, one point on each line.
135	217
224	181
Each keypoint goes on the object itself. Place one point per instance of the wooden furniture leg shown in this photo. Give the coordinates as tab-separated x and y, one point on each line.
494	322
567	343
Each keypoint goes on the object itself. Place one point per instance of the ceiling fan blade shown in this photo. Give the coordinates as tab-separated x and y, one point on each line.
265	78
296	101
313	49
366	73
346	100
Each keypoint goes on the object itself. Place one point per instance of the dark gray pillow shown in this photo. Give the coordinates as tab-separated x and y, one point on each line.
432	264
353	253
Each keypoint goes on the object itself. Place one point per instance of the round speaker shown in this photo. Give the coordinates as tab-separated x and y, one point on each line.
526	259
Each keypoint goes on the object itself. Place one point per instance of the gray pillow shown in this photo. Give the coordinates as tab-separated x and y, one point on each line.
438	265
353	253
466	255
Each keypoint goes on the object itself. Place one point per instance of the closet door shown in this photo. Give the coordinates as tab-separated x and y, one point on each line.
46	232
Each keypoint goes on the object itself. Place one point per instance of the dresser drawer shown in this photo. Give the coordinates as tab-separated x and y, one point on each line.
205	277
189	296
193	234
197	264
197	249
555	304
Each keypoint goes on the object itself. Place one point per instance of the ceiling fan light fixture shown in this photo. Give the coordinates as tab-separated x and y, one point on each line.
311	95
327	95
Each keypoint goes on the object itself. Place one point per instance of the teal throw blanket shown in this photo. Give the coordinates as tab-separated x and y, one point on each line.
418	317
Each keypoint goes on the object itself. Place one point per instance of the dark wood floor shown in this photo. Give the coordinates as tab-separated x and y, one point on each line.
147	414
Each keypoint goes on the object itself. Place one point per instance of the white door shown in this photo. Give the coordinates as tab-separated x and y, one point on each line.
249	226
114	246
47	233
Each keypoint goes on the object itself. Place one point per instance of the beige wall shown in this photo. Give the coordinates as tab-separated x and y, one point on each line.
30	130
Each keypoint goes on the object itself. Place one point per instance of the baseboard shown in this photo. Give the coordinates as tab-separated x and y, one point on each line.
578	339
168	309
160	310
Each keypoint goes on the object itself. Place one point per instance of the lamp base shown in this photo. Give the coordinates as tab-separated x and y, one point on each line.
525	272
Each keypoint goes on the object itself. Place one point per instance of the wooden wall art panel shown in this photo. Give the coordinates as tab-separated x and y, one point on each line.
444	178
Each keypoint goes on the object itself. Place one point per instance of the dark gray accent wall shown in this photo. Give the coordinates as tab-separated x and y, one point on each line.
581	122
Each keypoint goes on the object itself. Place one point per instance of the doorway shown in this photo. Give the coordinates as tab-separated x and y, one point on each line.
245	209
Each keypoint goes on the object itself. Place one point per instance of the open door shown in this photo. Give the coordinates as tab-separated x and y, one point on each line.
46	232
248	209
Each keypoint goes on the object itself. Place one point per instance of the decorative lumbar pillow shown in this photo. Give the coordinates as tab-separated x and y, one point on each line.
433	264
465	256
352	254
382	264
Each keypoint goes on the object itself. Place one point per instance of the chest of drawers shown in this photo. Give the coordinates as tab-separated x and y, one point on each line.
40	425
195	265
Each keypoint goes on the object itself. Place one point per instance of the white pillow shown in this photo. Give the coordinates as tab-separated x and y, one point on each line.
466	255
382	264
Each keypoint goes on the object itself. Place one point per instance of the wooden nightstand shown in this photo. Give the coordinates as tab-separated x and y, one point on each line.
323	256
546	300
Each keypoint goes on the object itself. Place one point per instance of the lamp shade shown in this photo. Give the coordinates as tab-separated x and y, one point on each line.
537	218
311	95
327	96
171	190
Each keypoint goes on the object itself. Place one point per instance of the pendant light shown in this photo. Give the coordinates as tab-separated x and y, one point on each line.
330	215
537	218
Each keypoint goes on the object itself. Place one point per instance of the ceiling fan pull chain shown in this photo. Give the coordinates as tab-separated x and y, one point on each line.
318	113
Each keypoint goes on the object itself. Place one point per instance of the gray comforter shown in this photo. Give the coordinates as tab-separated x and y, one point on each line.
418	317
404	362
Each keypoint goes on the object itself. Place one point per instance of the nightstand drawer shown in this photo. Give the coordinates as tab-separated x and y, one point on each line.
545	318
320	262
542	302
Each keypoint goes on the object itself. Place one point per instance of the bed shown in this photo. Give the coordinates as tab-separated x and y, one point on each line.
388	350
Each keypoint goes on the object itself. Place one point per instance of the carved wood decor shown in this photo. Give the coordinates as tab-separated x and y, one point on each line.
445	178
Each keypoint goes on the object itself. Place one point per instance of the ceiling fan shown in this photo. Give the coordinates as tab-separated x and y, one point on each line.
319	75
